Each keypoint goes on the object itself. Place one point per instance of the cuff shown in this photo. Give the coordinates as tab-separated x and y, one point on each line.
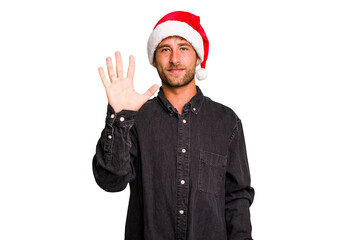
122	118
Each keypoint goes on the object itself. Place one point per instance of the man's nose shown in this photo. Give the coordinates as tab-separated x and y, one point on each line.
175	57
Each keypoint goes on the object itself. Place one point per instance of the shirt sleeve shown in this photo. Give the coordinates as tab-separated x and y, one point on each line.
116	151
239	194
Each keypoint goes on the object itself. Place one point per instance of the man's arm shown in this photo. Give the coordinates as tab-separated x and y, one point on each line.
114	163
239	194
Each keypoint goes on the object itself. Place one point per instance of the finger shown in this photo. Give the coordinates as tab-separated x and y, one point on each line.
150	91
119	64
131	68
110	69
103	77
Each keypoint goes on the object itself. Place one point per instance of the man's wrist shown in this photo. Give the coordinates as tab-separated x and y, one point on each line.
123	118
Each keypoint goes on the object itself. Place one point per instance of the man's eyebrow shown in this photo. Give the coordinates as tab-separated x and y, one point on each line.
185	44
180	44
163	45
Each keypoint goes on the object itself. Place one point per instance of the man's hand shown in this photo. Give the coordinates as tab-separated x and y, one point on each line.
120	90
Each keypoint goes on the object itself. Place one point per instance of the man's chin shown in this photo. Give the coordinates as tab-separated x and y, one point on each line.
172	84
175	82
175	76
173	79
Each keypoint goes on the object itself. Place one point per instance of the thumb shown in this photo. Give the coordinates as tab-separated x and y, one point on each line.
150	91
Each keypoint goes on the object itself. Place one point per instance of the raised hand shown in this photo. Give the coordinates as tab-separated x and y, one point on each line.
120	90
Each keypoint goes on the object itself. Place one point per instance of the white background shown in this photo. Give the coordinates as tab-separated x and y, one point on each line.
289	69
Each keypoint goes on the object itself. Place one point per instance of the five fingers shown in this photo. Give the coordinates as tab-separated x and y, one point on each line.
119	69
103	77
119	64
131	68
150	91
110	68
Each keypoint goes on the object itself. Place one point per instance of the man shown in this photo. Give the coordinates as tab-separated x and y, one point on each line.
182	154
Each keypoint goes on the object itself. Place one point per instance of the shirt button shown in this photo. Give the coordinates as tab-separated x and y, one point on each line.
109	137
122	119
194	109
181	211
182	182
184	121
183	150
112	115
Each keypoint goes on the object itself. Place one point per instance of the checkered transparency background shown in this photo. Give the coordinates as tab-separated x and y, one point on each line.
289	69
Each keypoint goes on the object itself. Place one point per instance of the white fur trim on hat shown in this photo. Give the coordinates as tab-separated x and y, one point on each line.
201	74
174	28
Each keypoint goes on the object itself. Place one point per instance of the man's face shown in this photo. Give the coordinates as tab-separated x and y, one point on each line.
175	61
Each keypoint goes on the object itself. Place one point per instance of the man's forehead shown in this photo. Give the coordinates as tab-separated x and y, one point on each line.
180	39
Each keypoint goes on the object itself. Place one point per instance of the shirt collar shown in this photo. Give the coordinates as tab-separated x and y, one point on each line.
194	103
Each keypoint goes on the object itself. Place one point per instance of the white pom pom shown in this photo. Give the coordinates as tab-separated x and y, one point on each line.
201	74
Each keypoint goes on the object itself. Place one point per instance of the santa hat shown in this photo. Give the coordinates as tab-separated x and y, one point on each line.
187	26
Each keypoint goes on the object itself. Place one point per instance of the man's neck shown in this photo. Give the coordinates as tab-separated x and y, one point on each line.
179	96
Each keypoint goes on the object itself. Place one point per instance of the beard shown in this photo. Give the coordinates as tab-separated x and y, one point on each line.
188	77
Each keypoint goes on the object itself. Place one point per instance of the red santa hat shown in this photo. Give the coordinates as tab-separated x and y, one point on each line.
187	26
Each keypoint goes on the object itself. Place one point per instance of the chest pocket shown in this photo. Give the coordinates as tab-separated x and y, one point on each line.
212	171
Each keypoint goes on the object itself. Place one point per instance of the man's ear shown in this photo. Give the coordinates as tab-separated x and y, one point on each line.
198	60
154	60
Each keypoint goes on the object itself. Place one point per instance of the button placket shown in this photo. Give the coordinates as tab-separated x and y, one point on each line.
182	174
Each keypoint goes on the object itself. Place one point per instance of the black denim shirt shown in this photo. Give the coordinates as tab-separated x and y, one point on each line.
188	174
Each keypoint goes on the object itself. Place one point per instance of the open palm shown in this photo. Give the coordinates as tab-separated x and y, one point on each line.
120	90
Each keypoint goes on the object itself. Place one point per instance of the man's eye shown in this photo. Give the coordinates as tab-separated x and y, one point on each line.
183	49
164	50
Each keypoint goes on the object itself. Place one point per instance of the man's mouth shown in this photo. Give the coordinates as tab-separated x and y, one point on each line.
176	70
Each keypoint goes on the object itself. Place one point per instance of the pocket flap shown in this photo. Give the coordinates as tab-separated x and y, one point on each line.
213	159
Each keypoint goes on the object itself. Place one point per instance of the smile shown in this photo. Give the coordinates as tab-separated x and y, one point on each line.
176	70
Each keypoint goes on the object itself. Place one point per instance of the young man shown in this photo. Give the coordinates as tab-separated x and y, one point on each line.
182	154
